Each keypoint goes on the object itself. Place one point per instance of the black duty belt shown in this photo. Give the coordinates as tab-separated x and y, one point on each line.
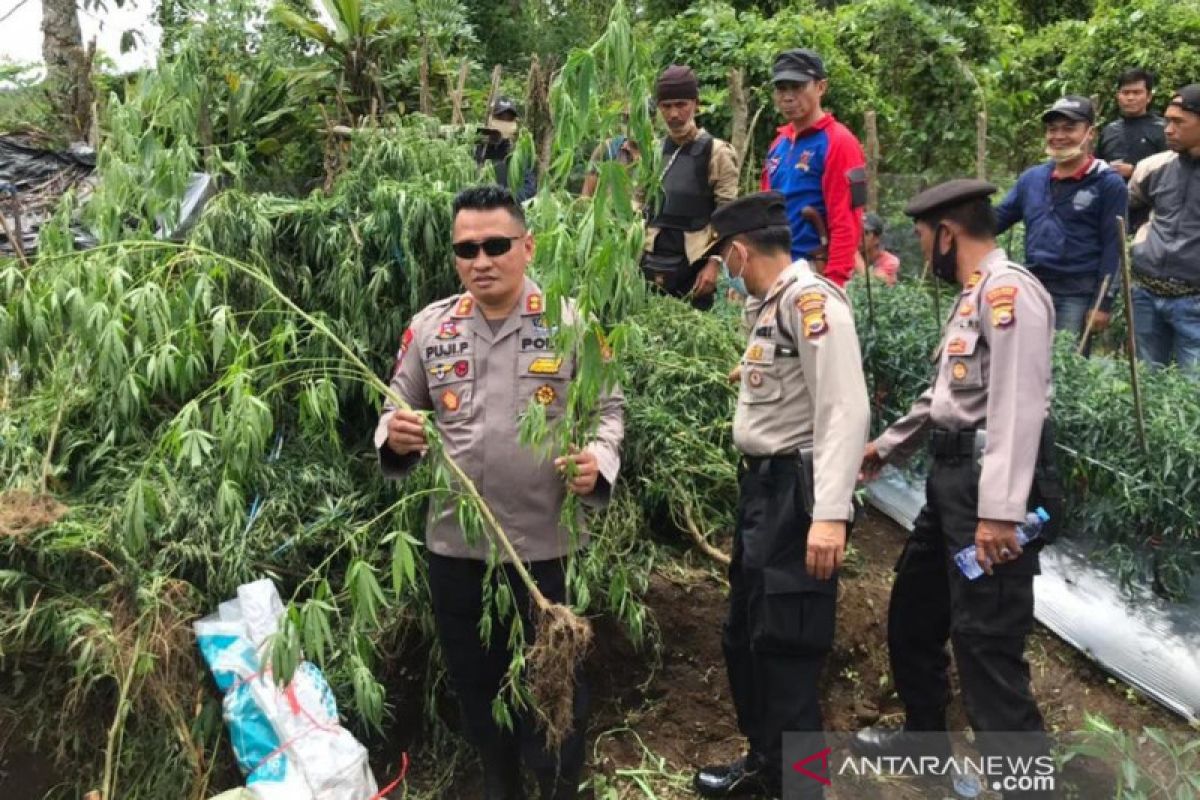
763	465
952	444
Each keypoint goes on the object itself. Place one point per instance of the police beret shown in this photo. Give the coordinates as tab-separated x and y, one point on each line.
947	195
749	213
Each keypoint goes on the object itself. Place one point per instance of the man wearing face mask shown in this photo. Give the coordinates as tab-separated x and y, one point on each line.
991	453
801	421
1070	206
700	174
498	138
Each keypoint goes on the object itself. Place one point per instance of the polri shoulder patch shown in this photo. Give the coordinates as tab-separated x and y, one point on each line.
1003	299
811	306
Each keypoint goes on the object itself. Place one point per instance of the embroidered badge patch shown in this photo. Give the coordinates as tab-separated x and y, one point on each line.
1003	302
405	341
545	366
754	378
448	330
533	304
959	370
812	314
440	371
754	353
973	281
957	346
461	368
466	304
966	310
450	400
545	394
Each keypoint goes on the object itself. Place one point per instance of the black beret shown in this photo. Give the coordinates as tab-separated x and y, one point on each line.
946	195
750	213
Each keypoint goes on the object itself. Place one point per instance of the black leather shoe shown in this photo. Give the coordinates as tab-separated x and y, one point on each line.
746	777
884	742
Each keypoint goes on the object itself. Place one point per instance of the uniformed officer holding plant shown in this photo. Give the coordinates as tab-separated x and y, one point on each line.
475	362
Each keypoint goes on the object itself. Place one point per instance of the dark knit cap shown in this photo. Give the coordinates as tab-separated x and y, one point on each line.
677	83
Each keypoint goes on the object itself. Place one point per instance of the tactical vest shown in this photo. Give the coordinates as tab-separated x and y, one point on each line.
688	200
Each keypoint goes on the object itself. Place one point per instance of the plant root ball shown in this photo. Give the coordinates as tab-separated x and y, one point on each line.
562	641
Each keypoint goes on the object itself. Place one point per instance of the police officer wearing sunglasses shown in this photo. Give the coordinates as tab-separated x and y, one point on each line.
476	362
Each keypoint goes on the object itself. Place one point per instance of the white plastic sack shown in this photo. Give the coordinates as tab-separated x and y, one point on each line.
288	742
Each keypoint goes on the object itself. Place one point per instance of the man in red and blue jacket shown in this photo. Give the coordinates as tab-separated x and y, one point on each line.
816	162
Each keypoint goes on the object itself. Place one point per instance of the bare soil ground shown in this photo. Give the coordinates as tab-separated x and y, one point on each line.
658	717
660	714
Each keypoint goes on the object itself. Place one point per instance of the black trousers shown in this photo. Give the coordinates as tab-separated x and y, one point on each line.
781	620
986	622
476	671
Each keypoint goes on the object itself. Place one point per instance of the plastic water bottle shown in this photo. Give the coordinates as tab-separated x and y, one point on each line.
1035	521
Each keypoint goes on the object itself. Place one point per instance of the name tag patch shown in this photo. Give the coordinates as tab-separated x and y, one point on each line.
545	366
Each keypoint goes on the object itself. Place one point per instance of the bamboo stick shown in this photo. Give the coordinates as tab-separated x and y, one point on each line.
1127	291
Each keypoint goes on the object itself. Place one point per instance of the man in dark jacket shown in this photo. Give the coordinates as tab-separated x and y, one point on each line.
1070	205
1166	253
1136	134
497	141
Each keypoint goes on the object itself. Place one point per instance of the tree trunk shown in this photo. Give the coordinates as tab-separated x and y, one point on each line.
68	66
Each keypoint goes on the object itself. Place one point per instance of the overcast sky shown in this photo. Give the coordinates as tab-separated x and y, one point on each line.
21	34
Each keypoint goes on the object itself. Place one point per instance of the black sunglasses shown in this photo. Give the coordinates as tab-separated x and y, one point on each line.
496	246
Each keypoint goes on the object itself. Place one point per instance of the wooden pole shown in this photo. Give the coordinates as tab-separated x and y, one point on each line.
740	109
493	93
426	96
981	125
456	97
1087	331
1127	291
872	162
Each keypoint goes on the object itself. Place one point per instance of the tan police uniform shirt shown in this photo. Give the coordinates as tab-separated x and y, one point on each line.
723	174
994	372
802	386
477	384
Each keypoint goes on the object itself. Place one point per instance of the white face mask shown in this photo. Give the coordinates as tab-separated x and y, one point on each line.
1062	154
506	128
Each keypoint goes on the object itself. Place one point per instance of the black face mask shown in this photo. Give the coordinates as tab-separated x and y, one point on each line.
944	265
